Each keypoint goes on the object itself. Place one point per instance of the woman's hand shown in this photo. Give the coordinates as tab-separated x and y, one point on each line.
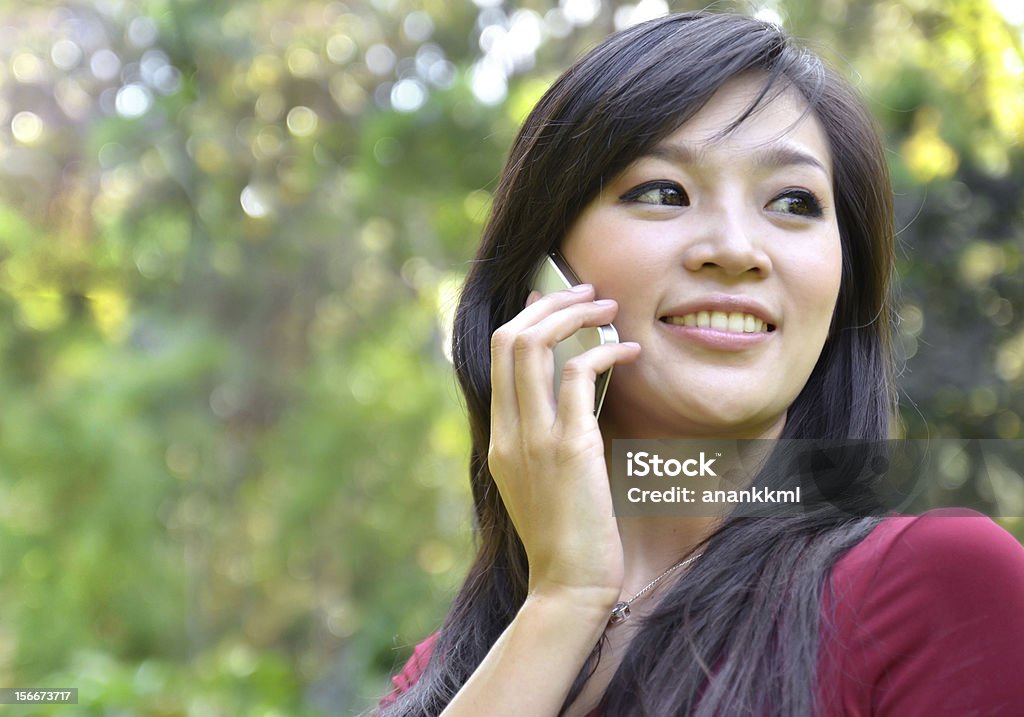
546	455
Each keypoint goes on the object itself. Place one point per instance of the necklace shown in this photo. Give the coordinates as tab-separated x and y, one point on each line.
621	610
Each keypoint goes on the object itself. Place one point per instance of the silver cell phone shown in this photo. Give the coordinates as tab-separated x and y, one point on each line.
555	274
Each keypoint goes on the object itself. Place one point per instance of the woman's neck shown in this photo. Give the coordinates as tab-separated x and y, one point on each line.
650	544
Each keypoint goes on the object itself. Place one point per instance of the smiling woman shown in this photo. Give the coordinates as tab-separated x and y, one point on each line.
726	200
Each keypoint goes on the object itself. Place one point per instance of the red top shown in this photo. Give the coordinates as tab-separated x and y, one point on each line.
925	616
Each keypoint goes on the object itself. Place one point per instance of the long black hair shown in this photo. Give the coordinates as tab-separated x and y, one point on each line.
749	609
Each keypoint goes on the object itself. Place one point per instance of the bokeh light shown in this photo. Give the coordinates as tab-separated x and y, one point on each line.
27	68
408	95
27	127
65	54
341	48
380	59
254	202
143	31
133	101
105	64
580	12
302	121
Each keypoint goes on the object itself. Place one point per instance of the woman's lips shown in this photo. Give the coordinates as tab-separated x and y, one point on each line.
733	321
732	331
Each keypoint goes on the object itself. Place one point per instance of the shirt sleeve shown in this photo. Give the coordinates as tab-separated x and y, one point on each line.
412	670
926	617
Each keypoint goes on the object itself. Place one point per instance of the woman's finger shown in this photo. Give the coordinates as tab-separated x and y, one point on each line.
534	357
504	405
577	391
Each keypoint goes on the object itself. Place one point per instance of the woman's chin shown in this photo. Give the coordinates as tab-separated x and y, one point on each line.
689	420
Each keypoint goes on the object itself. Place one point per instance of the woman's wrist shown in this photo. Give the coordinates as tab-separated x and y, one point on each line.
580	602
572	619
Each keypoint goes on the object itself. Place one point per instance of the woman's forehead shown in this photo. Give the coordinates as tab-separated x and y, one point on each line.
781	129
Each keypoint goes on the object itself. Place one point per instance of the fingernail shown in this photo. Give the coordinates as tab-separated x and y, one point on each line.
604	302
581	288
631	343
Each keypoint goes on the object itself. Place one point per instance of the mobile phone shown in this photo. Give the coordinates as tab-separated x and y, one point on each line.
555	274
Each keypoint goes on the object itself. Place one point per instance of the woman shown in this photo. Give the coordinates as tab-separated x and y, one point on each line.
695	169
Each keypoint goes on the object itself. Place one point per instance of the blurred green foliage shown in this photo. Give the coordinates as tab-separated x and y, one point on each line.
232	455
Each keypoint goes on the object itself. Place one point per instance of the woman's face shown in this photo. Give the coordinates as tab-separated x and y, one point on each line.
725	258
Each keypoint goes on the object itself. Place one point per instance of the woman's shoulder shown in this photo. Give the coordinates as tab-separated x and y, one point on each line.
922	604
951	564
946	546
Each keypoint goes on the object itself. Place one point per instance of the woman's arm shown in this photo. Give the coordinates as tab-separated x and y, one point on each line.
533	664
546	456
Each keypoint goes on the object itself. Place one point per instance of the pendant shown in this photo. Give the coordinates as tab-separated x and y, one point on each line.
619	613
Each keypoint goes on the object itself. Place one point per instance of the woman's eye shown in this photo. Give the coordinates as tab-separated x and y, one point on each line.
798	202
660	193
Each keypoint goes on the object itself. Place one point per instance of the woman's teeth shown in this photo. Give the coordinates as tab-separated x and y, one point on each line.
736	322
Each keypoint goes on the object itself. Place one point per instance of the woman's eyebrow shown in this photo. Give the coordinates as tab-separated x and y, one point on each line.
771	156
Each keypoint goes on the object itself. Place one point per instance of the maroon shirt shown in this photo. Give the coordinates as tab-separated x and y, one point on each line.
925	616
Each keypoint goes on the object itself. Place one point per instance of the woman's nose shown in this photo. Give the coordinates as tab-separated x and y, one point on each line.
729	241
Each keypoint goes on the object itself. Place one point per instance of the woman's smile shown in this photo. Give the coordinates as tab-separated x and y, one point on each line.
720	338
722	322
